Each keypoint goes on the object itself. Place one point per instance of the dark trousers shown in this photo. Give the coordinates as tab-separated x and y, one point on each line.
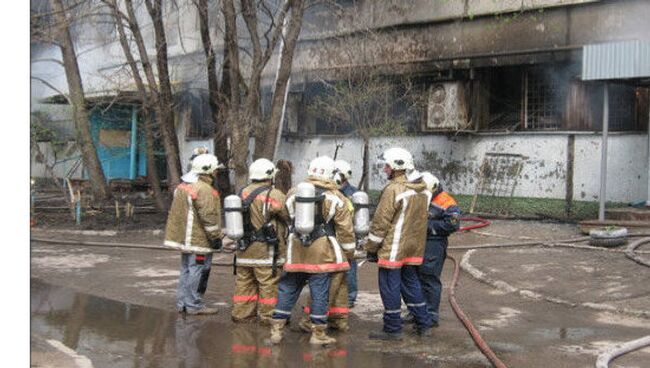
353	286
403	282
291	284
430	272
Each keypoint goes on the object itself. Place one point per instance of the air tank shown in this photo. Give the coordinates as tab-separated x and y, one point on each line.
361	214
305	208
232	206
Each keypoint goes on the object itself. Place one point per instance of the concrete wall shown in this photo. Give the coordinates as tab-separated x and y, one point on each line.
456	160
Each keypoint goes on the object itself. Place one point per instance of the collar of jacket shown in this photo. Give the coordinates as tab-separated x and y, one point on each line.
325	184
418	185
206	178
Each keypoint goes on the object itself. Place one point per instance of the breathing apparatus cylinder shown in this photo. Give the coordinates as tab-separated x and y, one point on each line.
305	208
232	206
361	213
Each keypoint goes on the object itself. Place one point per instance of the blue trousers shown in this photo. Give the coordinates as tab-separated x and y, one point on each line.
353	286
291	284
193	281
430	272
404	282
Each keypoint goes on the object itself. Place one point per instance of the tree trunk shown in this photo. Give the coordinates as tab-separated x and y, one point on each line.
168	129
266	139
239	129
220	137
91	162
152	173
152	170
365	177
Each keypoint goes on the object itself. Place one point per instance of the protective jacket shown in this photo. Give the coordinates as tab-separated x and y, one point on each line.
444	216
268	205
194	218
399	225
327	253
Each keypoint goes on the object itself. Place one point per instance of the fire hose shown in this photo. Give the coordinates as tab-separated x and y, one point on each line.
632	254
618	350
476	336
480	222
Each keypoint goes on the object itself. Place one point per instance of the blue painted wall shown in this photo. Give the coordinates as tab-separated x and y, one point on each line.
116	160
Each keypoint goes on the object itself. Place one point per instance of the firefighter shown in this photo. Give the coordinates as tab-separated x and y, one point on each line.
344	172
396	243
444	219
260	251
320	243
194	227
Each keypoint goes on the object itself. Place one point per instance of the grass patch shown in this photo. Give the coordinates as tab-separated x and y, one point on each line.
525	207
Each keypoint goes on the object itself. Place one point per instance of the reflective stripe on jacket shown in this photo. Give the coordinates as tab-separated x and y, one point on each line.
325	254
399	226
260	254
194	217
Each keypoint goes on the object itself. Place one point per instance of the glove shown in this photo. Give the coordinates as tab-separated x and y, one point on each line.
372	257
216	244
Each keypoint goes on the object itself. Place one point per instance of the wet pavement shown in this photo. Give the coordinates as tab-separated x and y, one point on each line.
117	306
115	334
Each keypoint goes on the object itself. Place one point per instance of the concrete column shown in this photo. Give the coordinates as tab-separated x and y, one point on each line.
603	155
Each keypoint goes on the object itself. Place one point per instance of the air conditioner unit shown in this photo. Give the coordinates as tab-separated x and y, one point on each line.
446	107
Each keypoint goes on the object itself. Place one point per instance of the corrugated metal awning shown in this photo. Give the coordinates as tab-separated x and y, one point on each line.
617	60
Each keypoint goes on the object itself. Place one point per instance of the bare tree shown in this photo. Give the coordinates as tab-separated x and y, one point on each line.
63	39
365	103
215	96
154	7
244	114
152	173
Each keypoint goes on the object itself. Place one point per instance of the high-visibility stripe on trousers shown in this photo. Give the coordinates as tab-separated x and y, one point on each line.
256	291
338	297
402	281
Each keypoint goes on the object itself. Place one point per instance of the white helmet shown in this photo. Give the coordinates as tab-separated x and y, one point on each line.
398	159
322	167
432	182
344	168
205	164
262	169
199	151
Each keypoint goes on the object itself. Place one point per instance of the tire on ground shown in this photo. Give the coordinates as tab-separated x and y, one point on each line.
607	243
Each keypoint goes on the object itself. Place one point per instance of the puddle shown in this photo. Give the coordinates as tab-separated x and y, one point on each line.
563	333
116	334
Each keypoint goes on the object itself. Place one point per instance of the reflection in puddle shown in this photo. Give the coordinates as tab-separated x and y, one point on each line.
119	334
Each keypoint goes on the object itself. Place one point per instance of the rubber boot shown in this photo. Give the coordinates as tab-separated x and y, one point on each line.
339	324
277	330
319	337
305	324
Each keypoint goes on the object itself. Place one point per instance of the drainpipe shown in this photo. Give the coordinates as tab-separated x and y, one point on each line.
603	156
134	142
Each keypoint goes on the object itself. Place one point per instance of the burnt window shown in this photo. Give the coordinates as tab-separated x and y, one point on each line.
505	98
628	107
545	98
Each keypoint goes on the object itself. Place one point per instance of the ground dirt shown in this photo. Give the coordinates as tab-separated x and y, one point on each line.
535	306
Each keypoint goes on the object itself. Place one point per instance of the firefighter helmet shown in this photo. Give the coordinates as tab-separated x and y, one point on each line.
262	169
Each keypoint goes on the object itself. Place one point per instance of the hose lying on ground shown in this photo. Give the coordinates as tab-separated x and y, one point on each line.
481	222
632	254
618	350
476	336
